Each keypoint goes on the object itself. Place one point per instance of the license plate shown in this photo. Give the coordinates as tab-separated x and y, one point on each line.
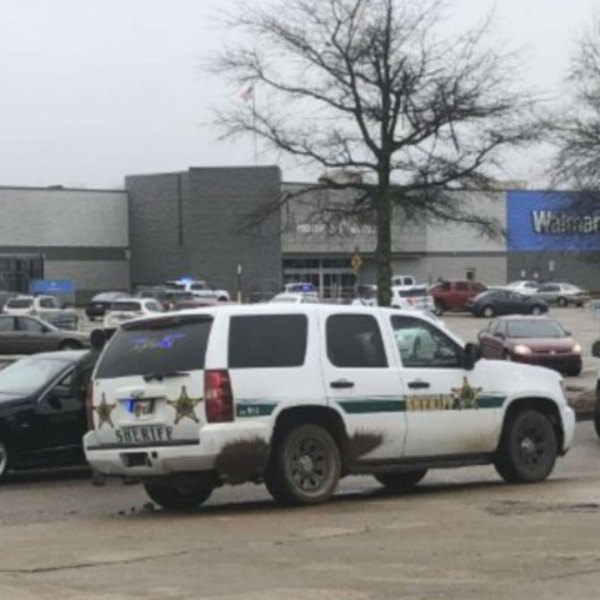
144	434
140	408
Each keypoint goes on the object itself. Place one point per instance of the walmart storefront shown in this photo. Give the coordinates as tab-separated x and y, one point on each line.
553	236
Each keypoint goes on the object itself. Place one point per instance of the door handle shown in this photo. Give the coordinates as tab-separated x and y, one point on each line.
341	384
418	385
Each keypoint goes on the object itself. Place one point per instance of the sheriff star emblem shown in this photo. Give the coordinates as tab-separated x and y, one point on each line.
103	411
465	396
184	406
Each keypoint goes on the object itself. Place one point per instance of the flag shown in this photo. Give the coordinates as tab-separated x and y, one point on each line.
247	94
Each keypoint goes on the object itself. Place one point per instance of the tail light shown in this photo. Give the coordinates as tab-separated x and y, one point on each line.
218	397
89	406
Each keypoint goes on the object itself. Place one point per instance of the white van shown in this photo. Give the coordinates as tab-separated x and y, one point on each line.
297	396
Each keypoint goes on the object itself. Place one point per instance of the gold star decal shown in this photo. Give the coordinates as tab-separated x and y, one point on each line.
103	411
184	406
465	396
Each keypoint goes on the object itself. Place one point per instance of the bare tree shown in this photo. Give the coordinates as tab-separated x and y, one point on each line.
372	88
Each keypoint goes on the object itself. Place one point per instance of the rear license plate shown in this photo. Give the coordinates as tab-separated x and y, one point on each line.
144	434
140	408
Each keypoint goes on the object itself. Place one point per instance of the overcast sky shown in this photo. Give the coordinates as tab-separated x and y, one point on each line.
92	90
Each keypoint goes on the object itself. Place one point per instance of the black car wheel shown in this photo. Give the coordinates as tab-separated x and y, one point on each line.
305	468
536	309
4	460
399	482
528	448
488	311
181	495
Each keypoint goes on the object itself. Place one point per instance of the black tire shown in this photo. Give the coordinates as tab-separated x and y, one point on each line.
439	309
528	448
575	371
536	309
562	302
399	482
305	466
506	355
180	495
71	345
488	311
4	461
597	415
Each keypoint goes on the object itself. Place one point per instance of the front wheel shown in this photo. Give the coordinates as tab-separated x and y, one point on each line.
305	466
399	482
536	310
488	311
562	302
4	461
528	448
180	495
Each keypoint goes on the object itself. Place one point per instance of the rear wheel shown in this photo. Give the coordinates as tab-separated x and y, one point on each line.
70	345
562	302
536	309
488	311
439	308
528	448
181	495
305	466
398	482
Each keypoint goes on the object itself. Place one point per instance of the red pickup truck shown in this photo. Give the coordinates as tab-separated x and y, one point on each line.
454	294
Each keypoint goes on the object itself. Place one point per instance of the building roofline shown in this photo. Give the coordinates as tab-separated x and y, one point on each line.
52	188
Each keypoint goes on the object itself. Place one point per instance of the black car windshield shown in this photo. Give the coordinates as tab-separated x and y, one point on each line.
538	328
164	346
30	374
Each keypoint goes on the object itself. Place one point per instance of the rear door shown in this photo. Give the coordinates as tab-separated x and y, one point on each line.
362	381
149	383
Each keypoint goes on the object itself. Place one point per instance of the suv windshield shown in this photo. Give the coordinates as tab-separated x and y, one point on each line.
158	346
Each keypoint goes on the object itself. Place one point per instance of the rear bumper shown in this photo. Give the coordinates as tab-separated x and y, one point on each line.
221	447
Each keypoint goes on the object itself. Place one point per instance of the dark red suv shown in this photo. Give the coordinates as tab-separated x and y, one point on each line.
453	294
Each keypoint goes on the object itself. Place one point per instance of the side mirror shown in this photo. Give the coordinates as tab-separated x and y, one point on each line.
471	354
596	349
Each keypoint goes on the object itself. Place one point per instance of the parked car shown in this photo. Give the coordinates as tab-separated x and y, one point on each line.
407	280
125	309
289	298
596	353
42	416
4	296
198	288
27	335
172	299
563	294
522	286
46	307
533	340
414	297
299	396
99	304
300	287
453	294
502	302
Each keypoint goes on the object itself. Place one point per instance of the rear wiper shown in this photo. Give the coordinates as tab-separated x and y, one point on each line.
161	376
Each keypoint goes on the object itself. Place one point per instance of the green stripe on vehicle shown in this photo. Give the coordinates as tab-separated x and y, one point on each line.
254	409
355	407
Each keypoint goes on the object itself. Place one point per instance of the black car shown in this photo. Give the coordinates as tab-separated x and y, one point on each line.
42	412
504	302
100	303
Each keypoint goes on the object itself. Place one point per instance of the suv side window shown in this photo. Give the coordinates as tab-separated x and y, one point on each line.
267	341
355	341
47	303
423	345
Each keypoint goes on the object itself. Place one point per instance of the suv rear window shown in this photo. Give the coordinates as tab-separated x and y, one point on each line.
160	346
19	303
267	341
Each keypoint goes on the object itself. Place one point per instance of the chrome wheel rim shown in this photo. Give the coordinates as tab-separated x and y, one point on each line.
533	447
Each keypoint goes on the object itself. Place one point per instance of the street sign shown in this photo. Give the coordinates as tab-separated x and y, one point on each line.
356	262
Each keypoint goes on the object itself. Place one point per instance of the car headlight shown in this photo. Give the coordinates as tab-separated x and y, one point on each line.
576	349
522	349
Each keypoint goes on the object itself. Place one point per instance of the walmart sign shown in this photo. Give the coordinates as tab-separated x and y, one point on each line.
538	221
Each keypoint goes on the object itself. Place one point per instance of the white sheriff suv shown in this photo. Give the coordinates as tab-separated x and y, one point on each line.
298	396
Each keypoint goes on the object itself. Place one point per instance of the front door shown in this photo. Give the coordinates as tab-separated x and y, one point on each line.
449	411
362	382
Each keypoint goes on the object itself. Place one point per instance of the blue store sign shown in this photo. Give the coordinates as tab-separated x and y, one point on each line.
551	221
55	287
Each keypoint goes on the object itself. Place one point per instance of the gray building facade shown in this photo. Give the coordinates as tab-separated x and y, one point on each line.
194	224
64	233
